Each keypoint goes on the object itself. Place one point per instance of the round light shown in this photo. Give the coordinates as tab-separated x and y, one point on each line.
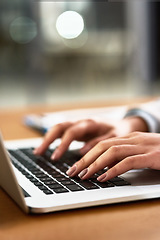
23	30
70	24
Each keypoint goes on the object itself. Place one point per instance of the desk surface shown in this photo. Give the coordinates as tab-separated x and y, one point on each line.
127	221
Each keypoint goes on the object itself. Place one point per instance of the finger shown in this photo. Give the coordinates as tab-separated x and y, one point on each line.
96	152
70	135
112	156
84	162
100	148
90	144
81	130
56	132
131	162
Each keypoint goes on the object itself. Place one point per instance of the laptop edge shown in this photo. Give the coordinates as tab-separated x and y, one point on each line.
11	186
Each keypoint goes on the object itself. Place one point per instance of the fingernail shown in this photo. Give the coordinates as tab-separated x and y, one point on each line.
71	170
83	173
55	155
102	177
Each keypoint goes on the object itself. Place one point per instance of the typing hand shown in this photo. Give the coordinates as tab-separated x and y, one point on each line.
120	154
89	131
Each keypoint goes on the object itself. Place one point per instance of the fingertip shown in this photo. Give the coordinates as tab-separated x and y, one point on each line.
103	177
53	157
56	155
83	173
39	150
36	151
71	171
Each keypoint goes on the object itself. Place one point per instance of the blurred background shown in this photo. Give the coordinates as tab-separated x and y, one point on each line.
58	52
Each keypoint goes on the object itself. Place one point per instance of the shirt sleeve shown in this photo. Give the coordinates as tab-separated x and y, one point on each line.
151	121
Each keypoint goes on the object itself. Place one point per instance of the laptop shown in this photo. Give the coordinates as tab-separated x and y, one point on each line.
38	185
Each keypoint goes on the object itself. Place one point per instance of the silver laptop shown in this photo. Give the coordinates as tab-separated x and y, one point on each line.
38	185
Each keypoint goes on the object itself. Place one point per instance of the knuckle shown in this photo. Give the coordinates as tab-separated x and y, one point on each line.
90	121
81	162
115	149
72	131
155	156
137	137
156	153
58	127
94	165
130	162
101	145
134	134
63	125
90	124
86	122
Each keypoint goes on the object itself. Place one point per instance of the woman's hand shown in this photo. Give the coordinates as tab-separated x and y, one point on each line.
120	154
89	131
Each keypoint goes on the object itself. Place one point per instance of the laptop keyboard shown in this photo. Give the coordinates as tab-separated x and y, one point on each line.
50	177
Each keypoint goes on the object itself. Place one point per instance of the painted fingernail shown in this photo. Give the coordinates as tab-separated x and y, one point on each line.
71	170
102	177
83	173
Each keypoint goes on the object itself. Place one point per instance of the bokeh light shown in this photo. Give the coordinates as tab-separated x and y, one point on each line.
23	30
70	24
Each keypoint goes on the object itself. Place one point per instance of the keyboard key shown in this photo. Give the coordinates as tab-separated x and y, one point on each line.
61	179
116	179
121	183
63	169
104	184
29	176
42	187
88	185
101	172
37	171
37	183
56	175
55	185
50	182
40	175
47	192
61	190
68	182
74	188
44	179
52	172
33	180
50	176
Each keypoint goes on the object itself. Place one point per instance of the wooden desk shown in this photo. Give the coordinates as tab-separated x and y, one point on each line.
127	221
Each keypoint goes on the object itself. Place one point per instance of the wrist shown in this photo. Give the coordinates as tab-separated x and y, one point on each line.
151	122
137	123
